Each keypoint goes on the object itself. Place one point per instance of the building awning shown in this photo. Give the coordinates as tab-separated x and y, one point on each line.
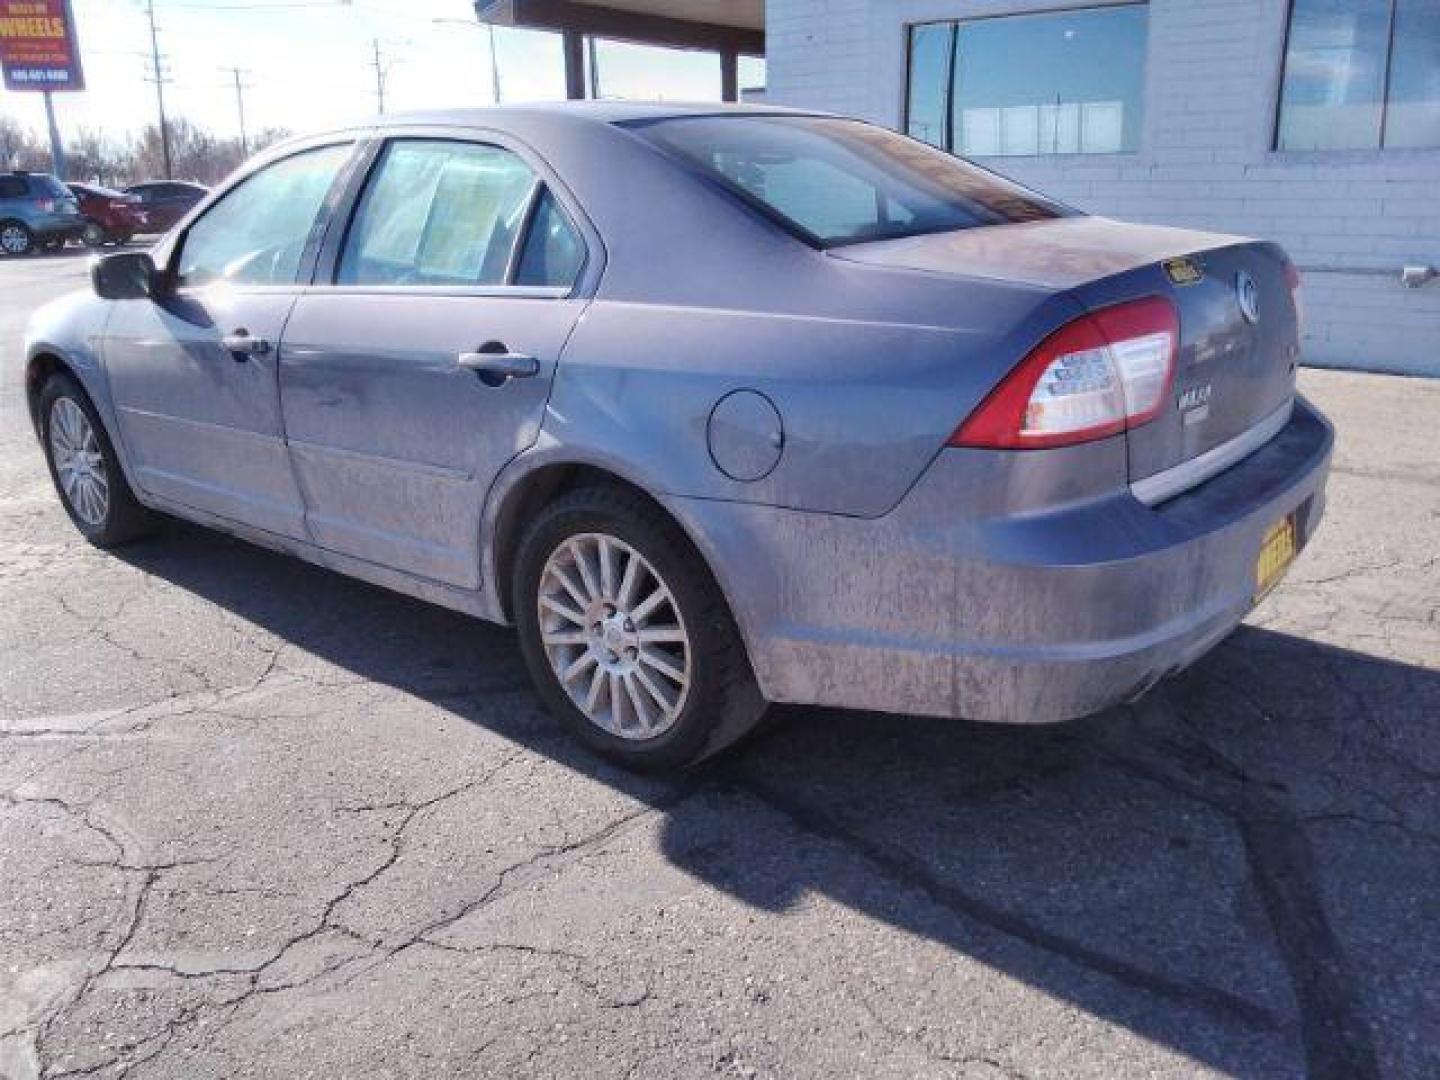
732	28
720	25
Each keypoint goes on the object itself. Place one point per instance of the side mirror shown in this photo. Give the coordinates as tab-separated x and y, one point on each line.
126	275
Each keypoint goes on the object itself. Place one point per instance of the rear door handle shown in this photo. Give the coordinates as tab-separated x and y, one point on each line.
242	344
499	363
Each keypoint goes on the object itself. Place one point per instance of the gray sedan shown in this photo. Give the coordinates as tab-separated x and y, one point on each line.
719	407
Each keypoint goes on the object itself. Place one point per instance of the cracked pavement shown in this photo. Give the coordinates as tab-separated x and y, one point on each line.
260	820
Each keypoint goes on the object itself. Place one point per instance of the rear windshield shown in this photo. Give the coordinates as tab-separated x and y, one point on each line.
835	181
48	185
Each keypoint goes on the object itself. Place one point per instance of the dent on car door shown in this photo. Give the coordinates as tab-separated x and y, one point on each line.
423	362
193	371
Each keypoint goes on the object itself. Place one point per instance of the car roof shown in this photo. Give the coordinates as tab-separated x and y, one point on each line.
559	112
604	112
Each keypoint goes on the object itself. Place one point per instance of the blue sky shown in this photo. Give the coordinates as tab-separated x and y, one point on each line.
308	63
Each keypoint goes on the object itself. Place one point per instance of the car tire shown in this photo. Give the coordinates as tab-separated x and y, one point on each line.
660	722
16	238
93	235
84	467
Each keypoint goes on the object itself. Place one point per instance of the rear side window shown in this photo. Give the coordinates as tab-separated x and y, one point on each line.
437	213
256	234
48	185
836	181
553	252
12	187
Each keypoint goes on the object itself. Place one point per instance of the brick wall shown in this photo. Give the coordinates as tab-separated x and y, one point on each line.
1350	219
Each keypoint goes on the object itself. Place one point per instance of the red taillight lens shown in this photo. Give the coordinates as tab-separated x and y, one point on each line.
46	206
1100	374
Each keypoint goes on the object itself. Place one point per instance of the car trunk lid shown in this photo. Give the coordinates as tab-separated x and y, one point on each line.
1234	373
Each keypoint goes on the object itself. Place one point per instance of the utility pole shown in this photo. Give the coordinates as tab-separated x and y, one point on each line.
494	65
160	80
594	59
57	148
379	75
240	107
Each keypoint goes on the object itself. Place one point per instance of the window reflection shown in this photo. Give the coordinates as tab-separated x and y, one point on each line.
1057	83
1361	74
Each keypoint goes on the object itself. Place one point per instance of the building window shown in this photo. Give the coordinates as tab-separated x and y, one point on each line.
1067	82
1360	75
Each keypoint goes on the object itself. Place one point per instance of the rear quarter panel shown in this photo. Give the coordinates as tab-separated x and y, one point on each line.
865	403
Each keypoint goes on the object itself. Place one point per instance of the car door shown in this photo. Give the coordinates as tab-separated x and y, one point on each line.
421	360
194	370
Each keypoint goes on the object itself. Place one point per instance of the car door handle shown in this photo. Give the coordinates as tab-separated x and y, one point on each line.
242	344
499	363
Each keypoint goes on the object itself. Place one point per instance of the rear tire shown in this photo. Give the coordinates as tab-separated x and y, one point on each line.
85	469
662	693
16	238
93	235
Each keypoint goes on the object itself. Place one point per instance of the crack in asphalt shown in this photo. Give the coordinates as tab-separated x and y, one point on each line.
1335	1031
549	858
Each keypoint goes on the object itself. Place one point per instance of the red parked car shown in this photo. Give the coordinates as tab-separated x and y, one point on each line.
164	202
111	217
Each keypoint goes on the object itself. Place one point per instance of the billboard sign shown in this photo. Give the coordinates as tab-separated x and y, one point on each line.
38	47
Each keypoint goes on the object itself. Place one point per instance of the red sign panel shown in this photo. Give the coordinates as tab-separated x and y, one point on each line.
38	48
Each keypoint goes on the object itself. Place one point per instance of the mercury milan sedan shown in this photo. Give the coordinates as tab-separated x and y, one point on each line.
719	407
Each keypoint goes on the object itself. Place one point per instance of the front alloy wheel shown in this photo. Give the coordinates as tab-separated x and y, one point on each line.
83	465
79	464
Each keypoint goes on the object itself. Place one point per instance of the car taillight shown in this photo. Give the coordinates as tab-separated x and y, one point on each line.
1100	374
46	206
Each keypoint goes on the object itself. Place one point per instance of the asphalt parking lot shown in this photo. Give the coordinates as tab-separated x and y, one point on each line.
260	820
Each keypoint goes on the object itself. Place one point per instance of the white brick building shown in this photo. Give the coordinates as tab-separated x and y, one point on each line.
1204	149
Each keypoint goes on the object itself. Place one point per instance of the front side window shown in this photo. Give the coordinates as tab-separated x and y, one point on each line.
437	213
836	181
1067	82
1361	75
257	233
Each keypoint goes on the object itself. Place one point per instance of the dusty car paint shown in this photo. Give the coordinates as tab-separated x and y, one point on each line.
867	565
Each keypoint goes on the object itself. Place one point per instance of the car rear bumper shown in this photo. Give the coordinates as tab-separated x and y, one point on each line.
57	226
969	601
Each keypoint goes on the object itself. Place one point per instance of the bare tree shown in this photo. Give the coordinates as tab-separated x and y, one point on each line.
20	148
198	155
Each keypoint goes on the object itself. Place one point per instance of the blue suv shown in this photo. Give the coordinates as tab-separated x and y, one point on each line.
36	210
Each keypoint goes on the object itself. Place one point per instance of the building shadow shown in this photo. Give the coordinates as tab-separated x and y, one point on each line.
1152	866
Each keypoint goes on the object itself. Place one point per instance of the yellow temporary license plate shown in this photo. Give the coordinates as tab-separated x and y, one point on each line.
1277	552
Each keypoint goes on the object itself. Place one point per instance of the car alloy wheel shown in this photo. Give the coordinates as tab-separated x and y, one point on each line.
15	239
614	635
82	461
93	235
79	462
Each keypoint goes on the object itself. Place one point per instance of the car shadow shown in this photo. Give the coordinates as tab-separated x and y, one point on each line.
1157	866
